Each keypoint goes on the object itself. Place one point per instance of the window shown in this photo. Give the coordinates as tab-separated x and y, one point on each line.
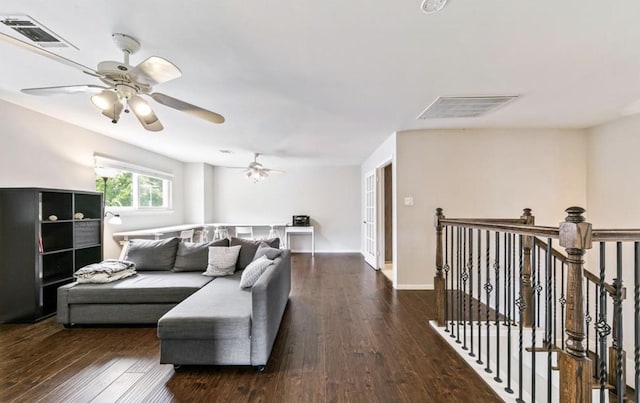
134	187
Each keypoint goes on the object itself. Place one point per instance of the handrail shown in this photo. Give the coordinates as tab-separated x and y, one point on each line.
632	234
496	225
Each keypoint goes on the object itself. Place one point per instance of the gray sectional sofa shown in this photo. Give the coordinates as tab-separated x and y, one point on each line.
201	320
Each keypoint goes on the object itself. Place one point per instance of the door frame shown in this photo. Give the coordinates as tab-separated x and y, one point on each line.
380	218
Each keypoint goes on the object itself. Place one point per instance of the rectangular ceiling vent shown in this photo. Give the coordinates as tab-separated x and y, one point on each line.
464	107
34	31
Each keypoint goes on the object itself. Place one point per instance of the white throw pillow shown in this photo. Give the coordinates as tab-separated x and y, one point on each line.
253	271
222	260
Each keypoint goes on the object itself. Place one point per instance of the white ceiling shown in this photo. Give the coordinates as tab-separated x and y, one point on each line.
308	82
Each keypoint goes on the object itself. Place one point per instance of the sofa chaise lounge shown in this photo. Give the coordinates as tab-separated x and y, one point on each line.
201	320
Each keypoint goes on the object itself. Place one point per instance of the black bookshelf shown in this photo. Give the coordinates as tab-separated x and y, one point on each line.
43	241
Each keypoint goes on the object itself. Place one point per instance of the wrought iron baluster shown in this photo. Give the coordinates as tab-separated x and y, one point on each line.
488	288
522	305
451	290
470	271
620	382
555	298
446	276
458	296
510	240
587	318
479	272
538	286
563	303
603	327
464	276
496	268
535	298
547	315
636	320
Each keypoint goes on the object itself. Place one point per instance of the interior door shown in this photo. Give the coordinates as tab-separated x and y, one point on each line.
370	245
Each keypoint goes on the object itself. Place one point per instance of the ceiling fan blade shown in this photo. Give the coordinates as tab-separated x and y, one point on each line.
187	107
50	55
156	70
145	114
275	171
65	89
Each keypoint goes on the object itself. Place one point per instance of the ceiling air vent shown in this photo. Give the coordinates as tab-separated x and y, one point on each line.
464	107
34	31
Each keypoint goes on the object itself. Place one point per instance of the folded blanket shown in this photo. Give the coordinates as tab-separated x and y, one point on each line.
103	277
109	266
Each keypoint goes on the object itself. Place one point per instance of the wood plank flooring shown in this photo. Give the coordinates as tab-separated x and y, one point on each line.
346	336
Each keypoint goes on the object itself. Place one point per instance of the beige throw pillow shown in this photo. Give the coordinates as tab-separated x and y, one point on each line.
222	261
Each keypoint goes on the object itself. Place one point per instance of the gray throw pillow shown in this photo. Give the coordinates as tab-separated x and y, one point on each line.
249	249
265	250
222	261
194	256
150	254
253	271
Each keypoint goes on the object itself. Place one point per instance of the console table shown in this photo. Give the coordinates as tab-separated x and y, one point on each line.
301	231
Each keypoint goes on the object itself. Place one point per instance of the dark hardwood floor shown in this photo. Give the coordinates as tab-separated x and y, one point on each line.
346	336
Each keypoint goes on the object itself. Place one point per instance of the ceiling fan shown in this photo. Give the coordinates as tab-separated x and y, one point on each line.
256	171
126	86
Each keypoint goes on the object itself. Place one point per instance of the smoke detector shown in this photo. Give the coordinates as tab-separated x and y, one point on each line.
464	107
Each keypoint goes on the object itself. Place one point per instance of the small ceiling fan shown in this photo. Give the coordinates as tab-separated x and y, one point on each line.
256	171
126	85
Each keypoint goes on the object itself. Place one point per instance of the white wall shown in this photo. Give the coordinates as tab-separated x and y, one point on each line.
330	195
480	173
613	202
39	151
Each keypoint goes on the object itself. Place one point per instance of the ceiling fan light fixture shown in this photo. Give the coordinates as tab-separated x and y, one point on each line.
105	100
432	6
141	108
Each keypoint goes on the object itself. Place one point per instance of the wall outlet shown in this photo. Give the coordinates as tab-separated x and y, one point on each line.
408	201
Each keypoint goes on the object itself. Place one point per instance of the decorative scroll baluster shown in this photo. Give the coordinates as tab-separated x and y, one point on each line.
563	303
464	277
620	356
547	315
446	278
636	319
452	290
458	296
522	305
510	240
535	257
470	271
575	367
587	318
596	299
603	327
479	272
488	288
538	285
496	268
555	298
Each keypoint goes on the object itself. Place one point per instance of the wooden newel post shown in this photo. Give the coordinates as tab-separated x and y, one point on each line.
527	291
438	281
575	367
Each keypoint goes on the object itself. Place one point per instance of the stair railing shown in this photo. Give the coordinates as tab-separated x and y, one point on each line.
496	274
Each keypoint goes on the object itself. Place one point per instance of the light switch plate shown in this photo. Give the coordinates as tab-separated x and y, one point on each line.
408	201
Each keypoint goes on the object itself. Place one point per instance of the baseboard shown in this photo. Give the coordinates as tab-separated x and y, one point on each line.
414	287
